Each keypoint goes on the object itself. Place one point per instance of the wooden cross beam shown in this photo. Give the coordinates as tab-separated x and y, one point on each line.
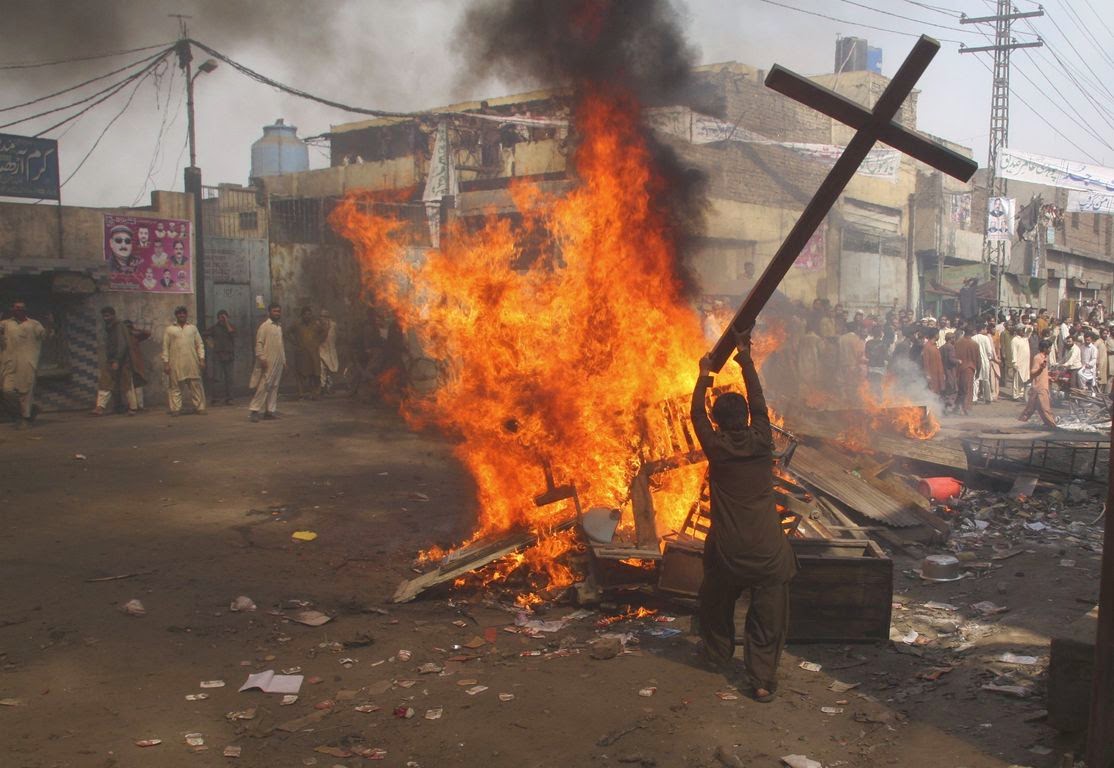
871	125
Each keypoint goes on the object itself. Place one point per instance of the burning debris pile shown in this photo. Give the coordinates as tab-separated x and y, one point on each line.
569	336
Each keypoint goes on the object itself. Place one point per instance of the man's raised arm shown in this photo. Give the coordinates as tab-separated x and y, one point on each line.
756	402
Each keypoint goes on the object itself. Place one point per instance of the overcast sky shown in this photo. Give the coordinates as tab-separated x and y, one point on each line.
394	55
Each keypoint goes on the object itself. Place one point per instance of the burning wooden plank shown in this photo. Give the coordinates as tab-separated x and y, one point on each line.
470	558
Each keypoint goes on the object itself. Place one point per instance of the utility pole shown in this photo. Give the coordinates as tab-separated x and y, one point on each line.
192	174
1004	43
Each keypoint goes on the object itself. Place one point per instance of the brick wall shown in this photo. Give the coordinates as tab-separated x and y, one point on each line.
754	173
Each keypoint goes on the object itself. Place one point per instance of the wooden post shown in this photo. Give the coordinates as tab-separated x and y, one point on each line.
871	125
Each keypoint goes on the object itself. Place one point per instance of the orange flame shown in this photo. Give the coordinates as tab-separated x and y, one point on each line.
890	408
554	363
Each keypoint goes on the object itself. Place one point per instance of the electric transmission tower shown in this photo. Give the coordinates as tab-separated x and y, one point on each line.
1004	43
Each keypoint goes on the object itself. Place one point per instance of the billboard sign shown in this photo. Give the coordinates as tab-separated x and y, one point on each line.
28	167
151	255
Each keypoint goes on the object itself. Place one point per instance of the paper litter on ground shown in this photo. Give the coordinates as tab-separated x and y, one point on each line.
268	682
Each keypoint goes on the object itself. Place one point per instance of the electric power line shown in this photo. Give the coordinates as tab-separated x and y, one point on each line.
853	23
1075	80
295	91
1043	119
1082	121
1103	111
110	54
907	18
111	90
1099	17
105	131
1075	50
142	74
1087	33
936	9
163	127
81	85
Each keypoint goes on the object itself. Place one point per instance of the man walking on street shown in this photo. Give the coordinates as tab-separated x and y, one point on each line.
223	338
116	374
270	357
745	548
21	342
1039	401
183	360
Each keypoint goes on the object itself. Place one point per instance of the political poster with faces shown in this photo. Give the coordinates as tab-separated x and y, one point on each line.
152	255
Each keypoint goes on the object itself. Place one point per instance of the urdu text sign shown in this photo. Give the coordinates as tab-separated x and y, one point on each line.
28	167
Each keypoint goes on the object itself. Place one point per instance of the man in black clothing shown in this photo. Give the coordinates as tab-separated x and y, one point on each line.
746	548
223	338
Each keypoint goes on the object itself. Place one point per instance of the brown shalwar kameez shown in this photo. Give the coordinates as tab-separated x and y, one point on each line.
967	355
932	363
746	548
1039	399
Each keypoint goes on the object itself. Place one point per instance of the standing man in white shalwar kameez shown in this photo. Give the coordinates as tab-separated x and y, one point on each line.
183	360
21	341
1089	357
1021	361
270	357
985	378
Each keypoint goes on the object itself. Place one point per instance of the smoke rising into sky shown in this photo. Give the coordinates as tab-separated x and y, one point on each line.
410	56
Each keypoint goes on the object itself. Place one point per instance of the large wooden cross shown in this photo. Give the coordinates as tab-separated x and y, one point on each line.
871	125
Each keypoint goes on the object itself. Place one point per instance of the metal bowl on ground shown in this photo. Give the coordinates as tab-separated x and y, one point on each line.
940	568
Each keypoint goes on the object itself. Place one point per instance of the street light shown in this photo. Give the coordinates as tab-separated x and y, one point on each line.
185	57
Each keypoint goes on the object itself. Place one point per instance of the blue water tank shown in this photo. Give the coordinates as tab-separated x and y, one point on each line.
874	59
278	151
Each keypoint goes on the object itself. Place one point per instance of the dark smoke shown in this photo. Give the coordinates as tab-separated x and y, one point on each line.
36	30
634	45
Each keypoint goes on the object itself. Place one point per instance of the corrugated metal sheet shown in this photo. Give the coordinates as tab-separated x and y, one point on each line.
832	473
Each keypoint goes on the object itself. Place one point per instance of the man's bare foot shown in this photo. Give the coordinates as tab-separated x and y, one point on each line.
763	695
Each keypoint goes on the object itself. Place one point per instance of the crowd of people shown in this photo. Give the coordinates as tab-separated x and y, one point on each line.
193	361
829	354
199	367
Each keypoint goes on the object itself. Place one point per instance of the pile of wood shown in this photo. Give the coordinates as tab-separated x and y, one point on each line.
825	493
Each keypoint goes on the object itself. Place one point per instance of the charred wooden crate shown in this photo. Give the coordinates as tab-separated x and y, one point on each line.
842	593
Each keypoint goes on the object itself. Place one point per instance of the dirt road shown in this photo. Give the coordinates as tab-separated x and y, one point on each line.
196	511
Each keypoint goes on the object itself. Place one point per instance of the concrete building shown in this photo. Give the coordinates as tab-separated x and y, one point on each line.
898	236
1058	259
54	257
886	243
765	156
